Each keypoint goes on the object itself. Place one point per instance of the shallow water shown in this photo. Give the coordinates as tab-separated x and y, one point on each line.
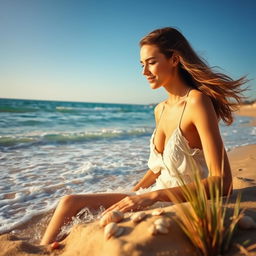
49	149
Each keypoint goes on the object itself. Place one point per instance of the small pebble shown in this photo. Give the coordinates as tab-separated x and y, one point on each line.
246	222
55	245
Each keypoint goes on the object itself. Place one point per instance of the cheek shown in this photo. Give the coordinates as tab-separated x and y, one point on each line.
163	70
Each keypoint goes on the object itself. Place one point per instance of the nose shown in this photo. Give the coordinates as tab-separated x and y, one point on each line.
145	70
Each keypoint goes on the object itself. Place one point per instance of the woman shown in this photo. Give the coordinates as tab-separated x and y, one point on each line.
186	129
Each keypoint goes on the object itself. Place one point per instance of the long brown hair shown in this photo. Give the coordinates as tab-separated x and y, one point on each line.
225	93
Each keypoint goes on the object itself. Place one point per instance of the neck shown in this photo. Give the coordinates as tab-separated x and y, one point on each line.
176	90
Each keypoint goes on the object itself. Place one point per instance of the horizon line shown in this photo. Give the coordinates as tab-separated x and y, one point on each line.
76	101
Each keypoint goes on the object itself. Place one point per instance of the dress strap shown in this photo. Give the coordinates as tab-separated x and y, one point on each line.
181	113
160	116
184	107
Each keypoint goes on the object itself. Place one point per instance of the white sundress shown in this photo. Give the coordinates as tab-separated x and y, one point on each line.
177	159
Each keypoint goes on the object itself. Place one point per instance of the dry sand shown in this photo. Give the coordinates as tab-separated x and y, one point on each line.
88	239
248	110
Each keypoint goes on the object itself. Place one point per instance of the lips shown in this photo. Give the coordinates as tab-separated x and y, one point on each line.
151	78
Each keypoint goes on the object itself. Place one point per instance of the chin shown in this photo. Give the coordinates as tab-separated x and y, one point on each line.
155	86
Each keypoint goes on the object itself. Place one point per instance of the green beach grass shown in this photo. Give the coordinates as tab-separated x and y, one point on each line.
204	218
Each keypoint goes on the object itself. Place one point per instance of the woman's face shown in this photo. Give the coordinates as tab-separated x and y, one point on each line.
156	67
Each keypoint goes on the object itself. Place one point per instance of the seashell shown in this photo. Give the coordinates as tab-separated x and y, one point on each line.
161	229
246	222
157	212
113	216
110	230
157	229
138	216
163	222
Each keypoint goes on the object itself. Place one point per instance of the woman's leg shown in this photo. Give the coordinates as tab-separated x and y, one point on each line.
70	205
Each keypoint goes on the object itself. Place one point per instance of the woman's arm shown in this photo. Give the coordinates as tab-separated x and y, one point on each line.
205	120
166	195
148	179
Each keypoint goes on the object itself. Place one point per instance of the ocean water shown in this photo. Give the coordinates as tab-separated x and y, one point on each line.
49	149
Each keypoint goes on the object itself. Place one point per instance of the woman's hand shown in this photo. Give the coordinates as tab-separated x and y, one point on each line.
148	179
136	202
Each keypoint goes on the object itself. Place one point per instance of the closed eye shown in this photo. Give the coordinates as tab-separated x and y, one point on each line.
150	63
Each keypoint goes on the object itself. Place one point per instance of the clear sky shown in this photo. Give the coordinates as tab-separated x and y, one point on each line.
88	50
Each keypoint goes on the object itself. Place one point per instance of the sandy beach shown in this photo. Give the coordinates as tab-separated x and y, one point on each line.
248	110
88	239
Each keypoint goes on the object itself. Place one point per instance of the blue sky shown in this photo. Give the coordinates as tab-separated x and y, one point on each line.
88	50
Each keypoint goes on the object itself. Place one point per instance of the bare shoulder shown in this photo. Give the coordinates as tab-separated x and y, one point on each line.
198	99
201	107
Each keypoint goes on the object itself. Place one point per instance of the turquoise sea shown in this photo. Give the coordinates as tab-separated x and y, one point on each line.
50	148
